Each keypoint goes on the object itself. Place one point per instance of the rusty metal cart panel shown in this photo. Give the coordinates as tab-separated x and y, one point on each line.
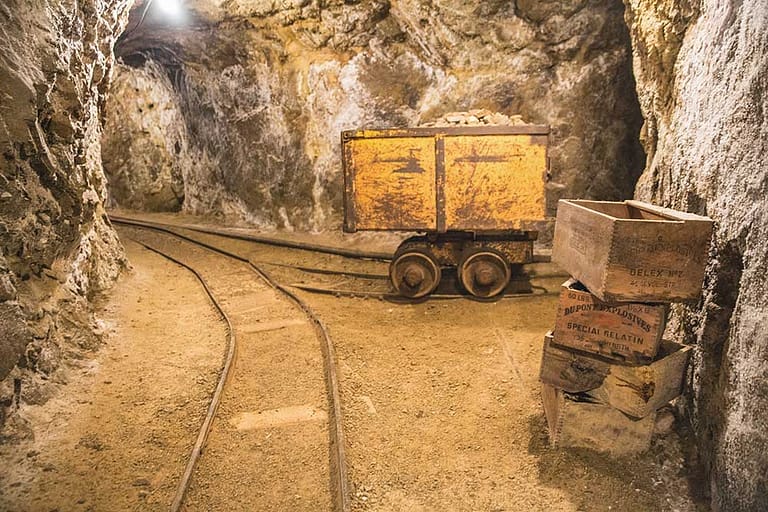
494	182
481	179
394	183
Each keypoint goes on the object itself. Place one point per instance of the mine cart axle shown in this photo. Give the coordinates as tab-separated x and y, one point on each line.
483	263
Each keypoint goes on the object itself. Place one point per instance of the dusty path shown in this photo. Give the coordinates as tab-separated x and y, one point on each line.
269	446
118	435
442	413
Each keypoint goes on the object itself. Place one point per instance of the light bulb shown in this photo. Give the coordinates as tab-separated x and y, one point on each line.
169	7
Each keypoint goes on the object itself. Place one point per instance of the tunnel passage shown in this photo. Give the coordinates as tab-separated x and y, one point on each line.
385	64
252	100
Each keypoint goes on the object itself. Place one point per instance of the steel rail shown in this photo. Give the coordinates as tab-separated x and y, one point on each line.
338	443
205	428
347	253
325	271
280	242
394	297
324	249
310	270
339	472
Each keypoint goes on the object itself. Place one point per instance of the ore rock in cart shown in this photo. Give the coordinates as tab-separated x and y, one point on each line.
475	193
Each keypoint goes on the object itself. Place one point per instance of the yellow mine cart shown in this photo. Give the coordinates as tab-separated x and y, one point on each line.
474	191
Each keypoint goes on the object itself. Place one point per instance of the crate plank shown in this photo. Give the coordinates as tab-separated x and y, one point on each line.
641	390
632	251
582	244
638	391
573	371
581	421
626	331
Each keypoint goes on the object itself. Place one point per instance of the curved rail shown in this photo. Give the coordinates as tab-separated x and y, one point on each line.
338	445
205	428
392	297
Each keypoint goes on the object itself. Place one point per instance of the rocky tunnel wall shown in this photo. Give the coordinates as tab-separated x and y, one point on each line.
702	79
57	246
265	88
236	112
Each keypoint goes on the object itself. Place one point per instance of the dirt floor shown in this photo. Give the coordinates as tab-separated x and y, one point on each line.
118	435
443	412
268	448
441	402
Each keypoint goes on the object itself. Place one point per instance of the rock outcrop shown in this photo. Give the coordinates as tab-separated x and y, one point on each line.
57	246
702	76
265	88
144	142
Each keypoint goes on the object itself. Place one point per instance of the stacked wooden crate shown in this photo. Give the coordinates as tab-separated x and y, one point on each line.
605	369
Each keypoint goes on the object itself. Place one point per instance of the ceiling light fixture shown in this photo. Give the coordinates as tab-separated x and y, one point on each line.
170	7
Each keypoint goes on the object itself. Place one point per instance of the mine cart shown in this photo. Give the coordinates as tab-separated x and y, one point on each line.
475	192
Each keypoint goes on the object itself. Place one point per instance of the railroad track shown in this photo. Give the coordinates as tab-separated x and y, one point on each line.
223	275
371	281
260	239
330	274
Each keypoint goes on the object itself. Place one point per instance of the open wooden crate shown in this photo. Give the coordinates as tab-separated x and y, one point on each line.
632	251
638	391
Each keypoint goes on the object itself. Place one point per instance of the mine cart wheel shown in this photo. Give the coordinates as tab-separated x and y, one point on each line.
414	273
484	272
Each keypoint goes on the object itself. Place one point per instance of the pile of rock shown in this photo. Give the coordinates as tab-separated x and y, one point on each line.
476	117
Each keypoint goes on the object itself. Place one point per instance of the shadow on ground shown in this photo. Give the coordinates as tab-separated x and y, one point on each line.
648	482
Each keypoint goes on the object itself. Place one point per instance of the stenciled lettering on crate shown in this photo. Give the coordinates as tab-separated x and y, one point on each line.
637	391
579	420
632	251
625	332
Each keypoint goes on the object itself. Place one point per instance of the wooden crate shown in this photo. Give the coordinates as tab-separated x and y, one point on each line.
468	178
632	251
626	331
581	421
638	391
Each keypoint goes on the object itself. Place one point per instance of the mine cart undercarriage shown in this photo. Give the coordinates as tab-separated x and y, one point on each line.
485	264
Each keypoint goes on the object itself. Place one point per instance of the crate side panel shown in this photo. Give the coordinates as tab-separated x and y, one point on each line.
628	331
658	261
602	428
582	244
493	182
394	183
642	390
570	370
550	400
